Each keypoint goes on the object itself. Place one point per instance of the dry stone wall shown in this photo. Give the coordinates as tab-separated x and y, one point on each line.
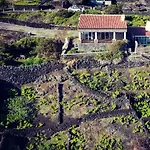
24	75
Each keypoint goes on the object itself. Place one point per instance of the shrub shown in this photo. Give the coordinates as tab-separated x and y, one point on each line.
28	93
92	11
137	20
48	49
117	45
32	61
143	108
18	110
106	143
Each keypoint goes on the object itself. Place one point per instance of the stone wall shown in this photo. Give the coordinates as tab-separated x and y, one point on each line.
89	62
92	46
24	75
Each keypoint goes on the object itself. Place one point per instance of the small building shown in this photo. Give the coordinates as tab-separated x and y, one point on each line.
141	35
97	31
100	2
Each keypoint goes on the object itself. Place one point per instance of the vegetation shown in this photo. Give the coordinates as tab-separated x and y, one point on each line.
126	120
115	51
21	109
26	2
113	9
61	17
137	20
138	128
100	81
48	49
143	108
77	139
92	11
106	142
30	51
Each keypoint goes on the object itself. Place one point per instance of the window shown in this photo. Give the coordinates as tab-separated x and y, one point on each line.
142	40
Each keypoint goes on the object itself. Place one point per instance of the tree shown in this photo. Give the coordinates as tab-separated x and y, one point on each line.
113	9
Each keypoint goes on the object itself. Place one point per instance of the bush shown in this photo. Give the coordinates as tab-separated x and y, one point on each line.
18	110
91	11
48	49
108	143
137	20
24	46
32	61
117	45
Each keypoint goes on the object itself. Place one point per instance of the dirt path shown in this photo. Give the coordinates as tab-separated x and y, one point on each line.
38	31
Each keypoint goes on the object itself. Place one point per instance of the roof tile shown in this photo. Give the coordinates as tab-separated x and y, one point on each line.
101	22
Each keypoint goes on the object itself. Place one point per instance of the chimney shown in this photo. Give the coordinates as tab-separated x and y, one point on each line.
122	17
147	27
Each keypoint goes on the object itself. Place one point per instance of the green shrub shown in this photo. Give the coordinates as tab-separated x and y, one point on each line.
92	11
28	93
18	110
108	143
126	120
143	108
77	139
32	61
137	20
48	49
138	128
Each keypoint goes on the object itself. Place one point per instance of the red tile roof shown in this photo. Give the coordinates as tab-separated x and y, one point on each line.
87	21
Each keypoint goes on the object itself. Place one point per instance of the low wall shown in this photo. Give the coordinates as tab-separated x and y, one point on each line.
26	7
89	62
24	75
92	46
35	25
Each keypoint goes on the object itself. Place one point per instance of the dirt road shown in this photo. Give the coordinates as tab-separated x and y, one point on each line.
39	31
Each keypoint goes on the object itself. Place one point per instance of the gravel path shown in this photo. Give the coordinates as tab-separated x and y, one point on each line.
38	31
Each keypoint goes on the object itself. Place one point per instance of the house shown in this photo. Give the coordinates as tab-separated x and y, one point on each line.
97	31
141	35
100	2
